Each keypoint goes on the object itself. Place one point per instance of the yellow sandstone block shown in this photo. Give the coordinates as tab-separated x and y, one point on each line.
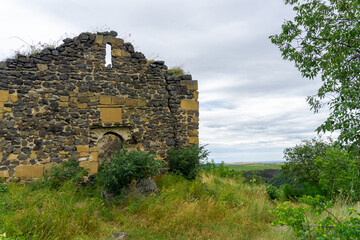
131	102
63	104
193	140
14	98
42	67
4	95
91	166
141	102
109	39
186	104
190	84
1	104
82	105
93	149
4	174
94	156
99	39
29	171
64	98
12	156
117	100
111	115
104	99
82	148
33	155
196	95
84	154
120	53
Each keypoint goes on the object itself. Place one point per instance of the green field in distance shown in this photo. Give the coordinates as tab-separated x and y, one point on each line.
254	166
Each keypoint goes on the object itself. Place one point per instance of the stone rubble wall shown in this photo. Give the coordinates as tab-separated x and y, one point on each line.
54	104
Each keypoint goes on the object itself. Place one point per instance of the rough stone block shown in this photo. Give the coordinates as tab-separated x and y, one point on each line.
1	104
99	39
12	157
141	102
189	84
131	102
94	156
193	140
111	115
192	105
64	98
93	149
63	104
14	98
84	154
82	148
4	95
82	105
120	53
117	100
42	67
91	166
29	171
33	155
109	39
196	95
104	99
4	174
95	99
119	42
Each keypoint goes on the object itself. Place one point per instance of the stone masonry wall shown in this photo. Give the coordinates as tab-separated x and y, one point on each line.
55	105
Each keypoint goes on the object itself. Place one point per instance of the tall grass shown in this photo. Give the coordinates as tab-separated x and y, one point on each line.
209	207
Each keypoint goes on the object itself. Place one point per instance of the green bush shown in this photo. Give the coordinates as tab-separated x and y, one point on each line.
126	167
300	160
329	227
339	174
185	161
272	192
66	171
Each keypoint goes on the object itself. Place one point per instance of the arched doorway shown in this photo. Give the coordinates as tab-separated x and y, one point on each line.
107	145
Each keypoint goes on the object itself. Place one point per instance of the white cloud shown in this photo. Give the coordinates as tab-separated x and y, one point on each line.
252	103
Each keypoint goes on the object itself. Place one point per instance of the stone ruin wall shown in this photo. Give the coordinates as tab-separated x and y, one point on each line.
55	105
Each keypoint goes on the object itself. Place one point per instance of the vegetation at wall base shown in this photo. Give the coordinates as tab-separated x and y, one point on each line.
126	167
207	207
185	161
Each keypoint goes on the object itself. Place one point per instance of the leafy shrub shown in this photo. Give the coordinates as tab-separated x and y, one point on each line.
272	192
66	171
126	167
329	227
339	173
300	160
185	161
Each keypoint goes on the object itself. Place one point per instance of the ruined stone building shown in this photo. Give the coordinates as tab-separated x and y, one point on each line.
64	103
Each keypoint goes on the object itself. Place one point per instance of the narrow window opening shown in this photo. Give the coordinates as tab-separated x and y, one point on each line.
108	60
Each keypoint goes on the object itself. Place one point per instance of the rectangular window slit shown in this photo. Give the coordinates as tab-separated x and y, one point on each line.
108	57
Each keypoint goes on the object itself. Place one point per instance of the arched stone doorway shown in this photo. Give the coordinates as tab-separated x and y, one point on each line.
107	145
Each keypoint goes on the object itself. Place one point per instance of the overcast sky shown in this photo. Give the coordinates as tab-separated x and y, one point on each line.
252	103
